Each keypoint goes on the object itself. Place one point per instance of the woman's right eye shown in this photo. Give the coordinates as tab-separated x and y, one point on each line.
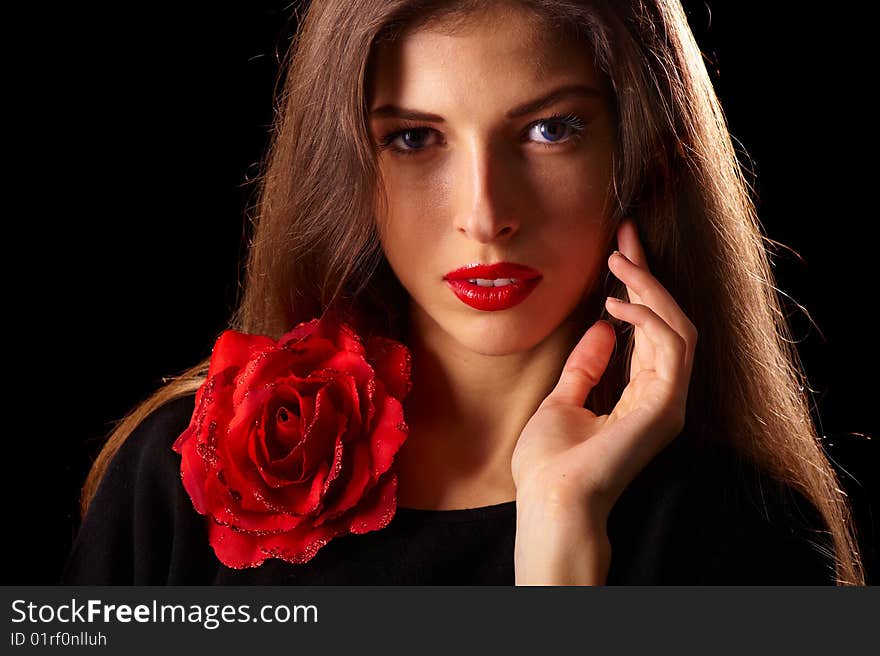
409	137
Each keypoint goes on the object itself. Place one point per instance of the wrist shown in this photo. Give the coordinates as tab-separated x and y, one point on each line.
559	543
534	500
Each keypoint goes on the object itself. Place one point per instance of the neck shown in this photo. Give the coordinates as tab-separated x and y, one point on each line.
466	411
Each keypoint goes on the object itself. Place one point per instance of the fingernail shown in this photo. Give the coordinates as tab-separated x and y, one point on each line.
614	299
616	252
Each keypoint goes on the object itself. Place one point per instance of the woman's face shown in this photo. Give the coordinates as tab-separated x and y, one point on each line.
489	177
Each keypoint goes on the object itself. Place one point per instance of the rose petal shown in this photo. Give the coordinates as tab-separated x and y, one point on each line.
238	472
197	443
368	404
310	353
281	425
242	473
264	369
235	349
291	502
298	333
389	433
278	470
240	550
346	365
266	522
348	340
316	445
320	436
289	469
353	364
332	481
378	508
193	470
392	362
347	389
341	335
301	498
248	409
354	480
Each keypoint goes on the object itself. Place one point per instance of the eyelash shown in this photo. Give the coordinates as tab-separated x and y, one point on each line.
575	122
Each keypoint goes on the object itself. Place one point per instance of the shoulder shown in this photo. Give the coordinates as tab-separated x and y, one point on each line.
757	530
145	466
704	514
145	471
158	429
146	452
140	527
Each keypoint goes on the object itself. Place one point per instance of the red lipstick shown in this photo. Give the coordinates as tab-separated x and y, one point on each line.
517	282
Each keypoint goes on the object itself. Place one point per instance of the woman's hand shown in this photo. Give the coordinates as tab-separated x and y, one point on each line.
568	459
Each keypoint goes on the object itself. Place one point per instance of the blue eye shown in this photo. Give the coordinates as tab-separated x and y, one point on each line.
573	123
406	136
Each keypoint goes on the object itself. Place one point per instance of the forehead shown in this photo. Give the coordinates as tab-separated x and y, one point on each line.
503	52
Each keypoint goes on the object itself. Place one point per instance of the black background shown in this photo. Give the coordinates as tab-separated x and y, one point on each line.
141	124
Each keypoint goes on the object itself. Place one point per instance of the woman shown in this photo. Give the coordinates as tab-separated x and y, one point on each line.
433	129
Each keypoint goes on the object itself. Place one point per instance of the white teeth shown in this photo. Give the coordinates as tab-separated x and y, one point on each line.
497	282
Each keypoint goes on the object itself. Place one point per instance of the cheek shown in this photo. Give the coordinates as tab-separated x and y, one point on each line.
575	236
575	227
413	218
578	185
404	230
581	256
409	238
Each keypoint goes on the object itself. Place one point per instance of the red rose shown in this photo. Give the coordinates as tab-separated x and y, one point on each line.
292	442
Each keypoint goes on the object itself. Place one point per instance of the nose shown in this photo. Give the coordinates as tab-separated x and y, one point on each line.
485	210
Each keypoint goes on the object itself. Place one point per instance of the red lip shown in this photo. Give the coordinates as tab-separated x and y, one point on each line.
497	270
492	299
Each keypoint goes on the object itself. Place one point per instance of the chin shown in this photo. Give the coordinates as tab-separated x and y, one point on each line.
497	335
515	330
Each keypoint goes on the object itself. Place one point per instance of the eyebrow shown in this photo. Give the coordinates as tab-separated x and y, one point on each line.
583	90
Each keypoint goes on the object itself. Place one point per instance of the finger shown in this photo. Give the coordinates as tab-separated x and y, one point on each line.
670	348
584	366
653	295
630	245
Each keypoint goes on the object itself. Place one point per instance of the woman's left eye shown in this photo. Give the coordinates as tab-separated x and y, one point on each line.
557	129
574	123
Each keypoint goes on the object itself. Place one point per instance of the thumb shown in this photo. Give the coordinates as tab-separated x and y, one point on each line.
584	367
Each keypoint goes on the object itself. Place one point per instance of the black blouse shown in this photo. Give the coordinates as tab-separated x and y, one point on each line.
694	515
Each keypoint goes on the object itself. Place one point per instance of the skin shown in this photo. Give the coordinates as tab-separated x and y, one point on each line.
496	409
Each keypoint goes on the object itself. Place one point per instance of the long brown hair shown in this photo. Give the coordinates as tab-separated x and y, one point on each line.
314	247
